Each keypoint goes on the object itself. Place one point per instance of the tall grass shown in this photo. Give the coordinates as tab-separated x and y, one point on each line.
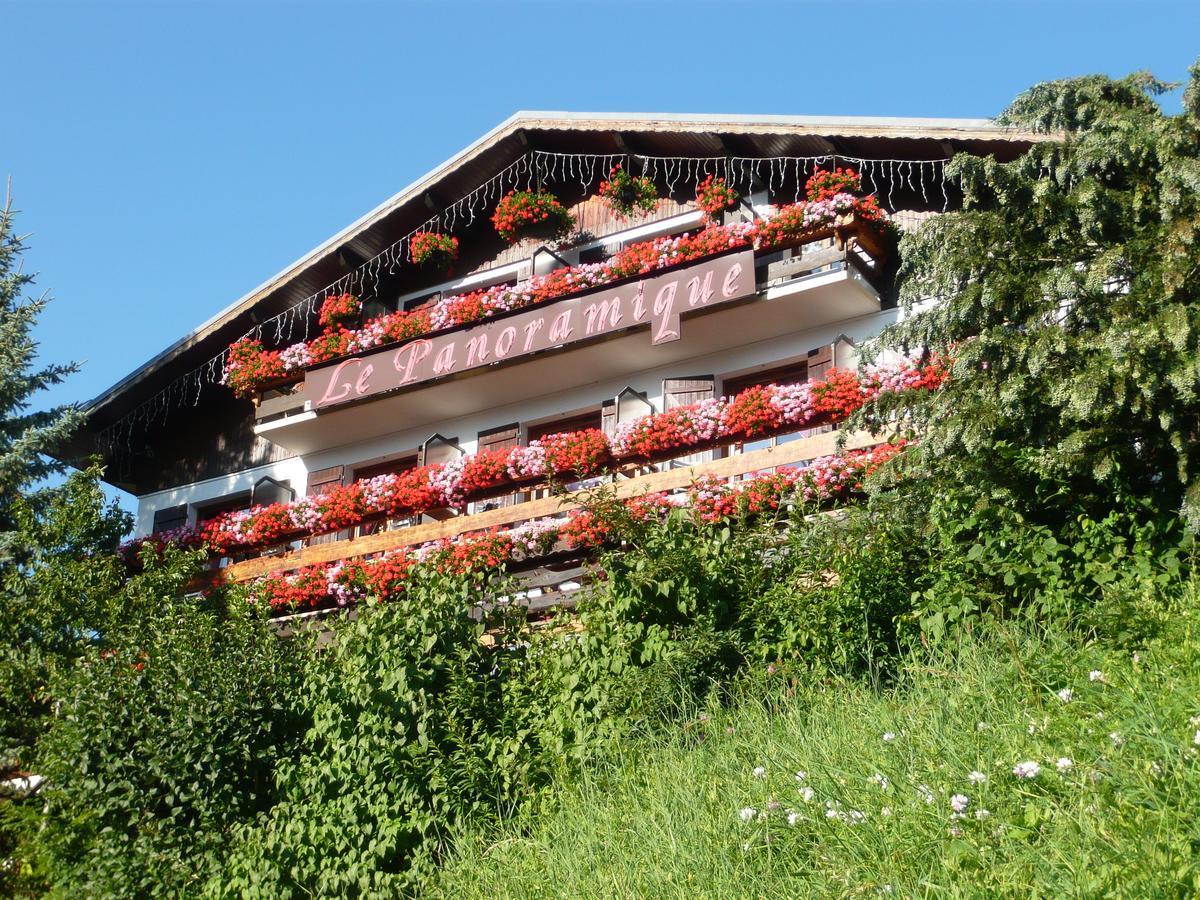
829	789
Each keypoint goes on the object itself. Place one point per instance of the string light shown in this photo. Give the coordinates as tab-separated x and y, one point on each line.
534	168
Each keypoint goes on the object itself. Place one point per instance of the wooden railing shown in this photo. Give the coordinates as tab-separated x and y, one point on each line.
731	466
785	262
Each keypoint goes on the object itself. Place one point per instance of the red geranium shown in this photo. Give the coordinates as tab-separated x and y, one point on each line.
580	453
431	247
714	197
337	310
627	193
750	414
824	184
523	211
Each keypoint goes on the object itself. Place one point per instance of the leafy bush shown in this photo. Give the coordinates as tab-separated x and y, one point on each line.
827	787
409	739
167	735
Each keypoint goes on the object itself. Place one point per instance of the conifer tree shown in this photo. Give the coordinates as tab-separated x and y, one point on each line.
1068	298
27	435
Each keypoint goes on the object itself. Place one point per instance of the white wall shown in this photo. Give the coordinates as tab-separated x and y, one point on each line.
739	361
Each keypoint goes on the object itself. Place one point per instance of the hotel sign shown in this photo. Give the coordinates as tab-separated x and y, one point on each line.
656	302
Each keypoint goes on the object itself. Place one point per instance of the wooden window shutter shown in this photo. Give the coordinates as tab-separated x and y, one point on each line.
820	361
172	517
608	417
499	438
682	391
503	438
320	482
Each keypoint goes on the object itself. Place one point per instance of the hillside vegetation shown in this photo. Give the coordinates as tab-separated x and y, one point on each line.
829	788
986	671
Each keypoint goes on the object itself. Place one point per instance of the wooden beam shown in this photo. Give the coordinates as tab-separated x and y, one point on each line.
737	464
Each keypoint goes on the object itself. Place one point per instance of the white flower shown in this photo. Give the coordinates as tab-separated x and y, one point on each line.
1097	675
800	776
1065	695
793	818
854	817
959	802
977	778
1117	738
981	814
889	736
886	811
1196	738
746	813
1027	769
926	793
1064	764
759	772
880	780
955	831
1032	729
806	794
981	726
831	813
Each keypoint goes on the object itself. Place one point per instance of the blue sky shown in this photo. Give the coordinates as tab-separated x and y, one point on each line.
169	156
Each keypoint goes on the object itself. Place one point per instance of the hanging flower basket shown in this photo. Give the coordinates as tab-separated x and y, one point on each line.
531	214
824	184
338	309
429	248
714	197
627	194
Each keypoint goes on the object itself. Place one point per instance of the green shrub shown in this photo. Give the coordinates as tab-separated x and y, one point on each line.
166	737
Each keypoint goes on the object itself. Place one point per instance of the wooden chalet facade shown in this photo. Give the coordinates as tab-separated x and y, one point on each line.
595	358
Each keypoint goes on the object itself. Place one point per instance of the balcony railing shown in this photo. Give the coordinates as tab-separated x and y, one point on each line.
730	467
851	244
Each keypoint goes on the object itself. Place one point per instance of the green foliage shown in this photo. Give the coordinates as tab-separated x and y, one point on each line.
409	740
25	436
664	816
1118	577
1069	301
844	587
57	595
167	735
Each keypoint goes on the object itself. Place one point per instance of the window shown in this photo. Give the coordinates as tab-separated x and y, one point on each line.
502	438
570	423
792	373
206	512
389	467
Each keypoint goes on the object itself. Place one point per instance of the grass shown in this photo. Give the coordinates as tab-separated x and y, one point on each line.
717	808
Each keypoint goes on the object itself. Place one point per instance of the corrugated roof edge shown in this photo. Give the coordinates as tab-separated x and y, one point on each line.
860	126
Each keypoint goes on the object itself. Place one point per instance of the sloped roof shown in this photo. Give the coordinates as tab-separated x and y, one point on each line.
659	134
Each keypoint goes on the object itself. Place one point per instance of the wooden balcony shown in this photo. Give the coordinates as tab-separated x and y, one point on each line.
625	485
825	277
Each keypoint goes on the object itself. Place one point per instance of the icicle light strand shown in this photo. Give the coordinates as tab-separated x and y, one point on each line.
539	167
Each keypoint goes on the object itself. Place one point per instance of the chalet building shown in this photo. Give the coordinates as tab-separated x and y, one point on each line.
413	336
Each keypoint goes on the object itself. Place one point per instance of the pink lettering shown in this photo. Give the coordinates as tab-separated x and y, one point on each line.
444	361
505	341
561	328
530	330
699	294
664	311
477	346
605	309
364	380
639	303
729	288
408	356
335	381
